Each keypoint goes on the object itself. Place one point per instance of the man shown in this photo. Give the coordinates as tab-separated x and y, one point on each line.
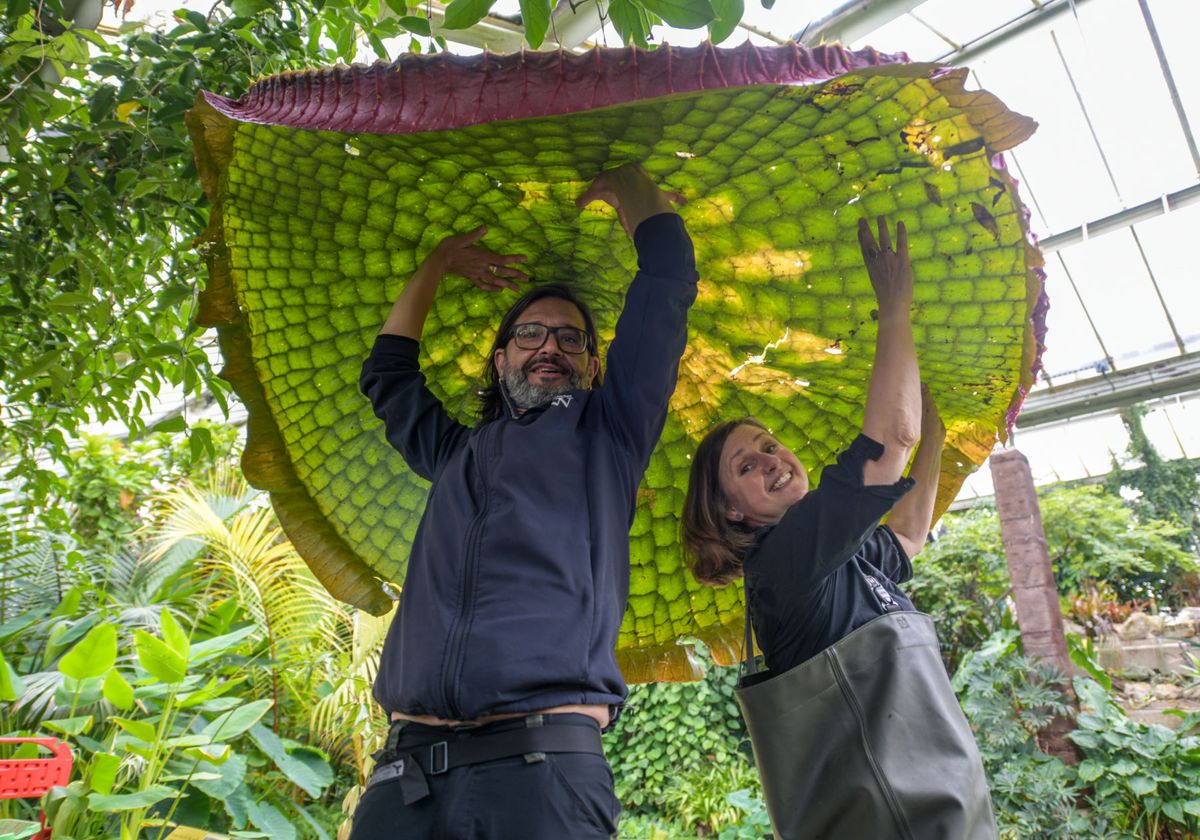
499	669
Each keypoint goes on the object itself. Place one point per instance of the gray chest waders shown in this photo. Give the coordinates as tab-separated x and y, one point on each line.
866	741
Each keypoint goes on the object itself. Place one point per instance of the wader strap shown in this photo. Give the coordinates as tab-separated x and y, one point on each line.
413	765
749	661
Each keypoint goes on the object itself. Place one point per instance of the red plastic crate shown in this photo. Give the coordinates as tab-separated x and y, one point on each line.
29	778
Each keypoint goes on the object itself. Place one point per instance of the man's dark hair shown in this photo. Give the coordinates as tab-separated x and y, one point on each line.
491	402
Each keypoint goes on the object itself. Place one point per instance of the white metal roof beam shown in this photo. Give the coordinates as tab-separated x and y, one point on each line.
1122	219
851	21
1155	380
1169	78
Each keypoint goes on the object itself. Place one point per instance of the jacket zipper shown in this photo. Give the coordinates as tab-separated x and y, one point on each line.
458	631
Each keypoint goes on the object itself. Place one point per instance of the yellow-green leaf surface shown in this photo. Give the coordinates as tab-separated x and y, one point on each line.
327	193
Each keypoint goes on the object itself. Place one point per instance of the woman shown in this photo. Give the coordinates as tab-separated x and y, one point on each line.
856	730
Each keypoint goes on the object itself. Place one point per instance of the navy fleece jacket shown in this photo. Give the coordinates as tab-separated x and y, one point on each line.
519	571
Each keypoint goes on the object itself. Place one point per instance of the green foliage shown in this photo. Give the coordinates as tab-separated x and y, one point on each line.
961	580
1145	778
699	799
162	684
669	730
99	205
1165	490
99	199
105	484
1007	700
1094	535
754	824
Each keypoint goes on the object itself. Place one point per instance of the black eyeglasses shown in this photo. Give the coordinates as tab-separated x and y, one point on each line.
532	335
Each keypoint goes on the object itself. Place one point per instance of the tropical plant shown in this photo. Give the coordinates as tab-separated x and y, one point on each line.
1144	777
1096	608
701	799
1093	535
1162	489
755	822
669	729
961	580
1008	700
158	661
400	177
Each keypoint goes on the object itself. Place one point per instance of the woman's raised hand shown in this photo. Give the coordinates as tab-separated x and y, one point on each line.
889	270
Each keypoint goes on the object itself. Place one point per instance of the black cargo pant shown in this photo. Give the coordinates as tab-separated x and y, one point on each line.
563	796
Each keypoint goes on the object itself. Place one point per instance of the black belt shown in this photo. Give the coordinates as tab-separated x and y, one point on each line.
533	740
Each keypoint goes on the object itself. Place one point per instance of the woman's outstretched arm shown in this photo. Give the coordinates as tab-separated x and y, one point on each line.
912	516
893	409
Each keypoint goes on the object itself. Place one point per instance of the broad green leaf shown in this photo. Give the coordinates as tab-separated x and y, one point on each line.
174	636
160	661
248	8
187	741
416	25
212	753
269	818
682	14
535	16
728	15
208	648
69	726
93	656
461	14
1123	767
310	772
137	728
777	176
229	725
102	772
629	21
1142	785
113	803
1090	770
11	684
230	773
117	690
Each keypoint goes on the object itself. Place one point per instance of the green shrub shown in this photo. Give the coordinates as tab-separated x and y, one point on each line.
699	800
669	729
961	580
1145	778
1007	700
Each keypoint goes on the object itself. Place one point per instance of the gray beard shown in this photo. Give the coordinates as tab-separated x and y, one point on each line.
525	395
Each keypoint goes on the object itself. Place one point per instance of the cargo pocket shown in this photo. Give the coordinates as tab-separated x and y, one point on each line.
587	784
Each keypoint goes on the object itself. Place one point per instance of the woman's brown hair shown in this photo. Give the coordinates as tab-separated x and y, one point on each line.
714	545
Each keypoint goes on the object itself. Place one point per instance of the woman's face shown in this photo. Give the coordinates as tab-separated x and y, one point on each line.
760	478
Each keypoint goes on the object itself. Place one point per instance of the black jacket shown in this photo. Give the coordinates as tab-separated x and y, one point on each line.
519	571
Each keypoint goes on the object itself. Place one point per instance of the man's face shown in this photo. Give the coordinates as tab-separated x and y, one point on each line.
533	377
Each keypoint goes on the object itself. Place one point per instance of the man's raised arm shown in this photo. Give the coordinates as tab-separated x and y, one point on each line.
415	422
643	359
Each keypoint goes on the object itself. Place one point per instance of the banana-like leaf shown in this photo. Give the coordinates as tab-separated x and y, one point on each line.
328	187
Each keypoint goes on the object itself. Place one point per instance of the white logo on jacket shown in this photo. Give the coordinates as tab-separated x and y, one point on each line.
563	400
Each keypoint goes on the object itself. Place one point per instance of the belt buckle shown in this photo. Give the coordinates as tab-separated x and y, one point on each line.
439	758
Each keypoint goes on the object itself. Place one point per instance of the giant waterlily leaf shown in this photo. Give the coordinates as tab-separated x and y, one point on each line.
329	187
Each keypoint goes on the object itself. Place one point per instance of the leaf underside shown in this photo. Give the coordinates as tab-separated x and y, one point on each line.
314	232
